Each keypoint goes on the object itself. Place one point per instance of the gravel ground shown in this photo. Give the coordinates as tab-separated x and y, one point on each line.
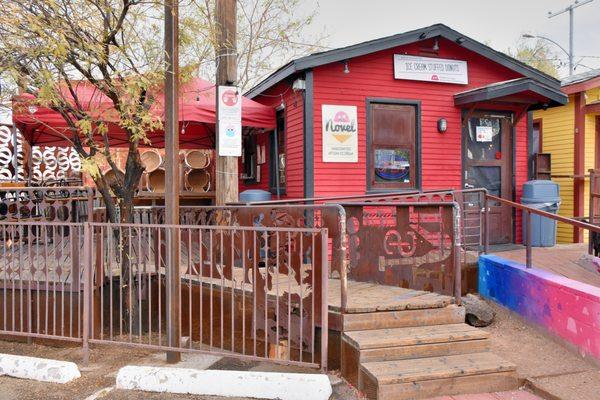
549	367
105	362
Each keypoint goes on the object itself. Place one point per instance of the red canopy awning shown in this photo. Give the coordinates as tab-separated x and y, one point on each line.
45	127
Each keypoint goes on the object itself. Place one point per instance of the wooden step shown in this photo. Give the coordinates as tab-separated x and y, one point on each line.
451	314
436	376
360	347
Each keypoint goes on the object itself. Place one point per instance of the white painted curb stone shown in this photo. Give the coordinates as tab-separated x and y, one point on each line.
260	385
39	369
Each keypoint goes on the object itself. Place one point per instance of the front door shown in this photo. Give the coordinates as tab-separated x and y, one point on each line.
487	141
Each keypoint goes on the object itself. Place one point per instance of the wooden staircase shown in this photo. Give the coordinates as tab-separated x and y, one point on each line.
420	353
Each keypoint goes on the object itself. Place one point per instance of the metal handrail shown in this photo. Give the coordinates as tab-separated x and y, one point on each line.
528	211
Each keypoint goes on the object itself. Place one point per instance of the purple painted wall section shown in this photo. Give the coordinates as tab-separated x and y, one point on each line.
566	308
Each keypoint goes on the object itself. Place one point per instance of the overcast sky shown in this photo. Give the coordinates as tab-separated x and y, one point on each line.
498	23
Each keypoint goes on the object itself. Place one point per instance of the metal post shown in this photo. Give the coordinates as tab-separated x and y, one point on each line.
571	67
172	175
324	300
457	247
570	9
87	290
528	238
486	233
226	179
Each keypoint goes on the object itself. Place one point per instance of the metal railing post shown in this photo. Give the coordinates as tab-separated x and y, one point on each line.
528	238
457	247
324	300
486	222
87	290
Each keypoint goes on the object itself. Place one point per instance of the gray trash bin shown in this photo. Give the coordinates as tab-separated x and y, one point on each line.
545	196
248	196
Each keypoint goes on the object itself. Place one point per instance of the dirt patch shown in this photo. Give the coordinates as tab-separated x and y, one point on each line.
549	365
105	362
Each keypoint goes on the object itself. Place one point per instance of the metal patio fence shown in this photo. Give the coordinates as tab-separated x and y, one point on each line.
244	291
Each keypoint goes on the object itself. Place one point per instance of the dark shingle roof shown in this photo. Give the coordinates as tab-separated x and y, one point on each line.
441	30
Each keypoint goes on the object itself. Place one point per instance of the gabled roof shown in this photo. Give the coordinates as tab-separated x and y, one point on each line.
581	82
372	46
582	77
520	90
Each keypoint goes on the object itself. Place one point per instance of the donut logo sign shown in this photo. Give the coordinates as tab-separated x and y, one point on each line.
340	133
229	98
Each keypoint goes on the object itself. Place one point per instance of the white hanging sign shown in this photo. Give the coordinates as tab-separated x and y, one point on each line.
484	133
430	69
229	121
340	133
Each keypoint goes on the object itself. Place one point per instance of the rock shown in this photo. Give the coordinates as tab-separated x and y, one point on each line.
478	312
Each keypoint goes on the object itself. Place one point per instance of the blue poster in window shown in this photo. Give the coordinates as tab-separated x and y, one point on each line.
392	165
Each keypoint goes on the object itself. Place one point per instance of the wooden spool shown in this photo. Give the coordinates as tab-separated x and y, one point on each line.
151	160
197	180
156	181
110	177
197	159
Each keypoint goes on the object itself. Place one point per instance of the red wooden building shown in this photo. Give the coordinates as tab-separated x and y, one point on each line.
425	109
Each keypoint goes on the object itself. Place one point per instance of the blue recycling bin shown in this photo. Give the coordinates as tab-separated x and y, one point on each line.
545	196
252	195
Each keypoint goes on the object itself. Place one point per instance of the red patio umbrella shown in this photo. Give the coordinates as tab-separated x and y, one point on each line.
45	127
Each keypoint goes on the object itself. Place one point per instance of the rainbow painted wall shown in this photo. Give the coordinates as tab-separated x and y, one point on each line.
565	308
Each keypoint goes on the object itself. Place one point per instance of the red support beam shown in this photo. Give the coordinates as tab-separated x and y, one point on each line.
579	164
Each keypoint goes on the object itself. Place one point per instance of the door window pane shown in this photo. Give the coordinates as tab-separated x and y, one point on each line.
484	141
486	177
392	165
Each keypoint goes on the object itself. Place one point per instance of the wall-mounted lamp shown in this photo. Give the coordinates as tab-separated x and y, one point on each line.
460	40
442	125
281	105
346	69
436	45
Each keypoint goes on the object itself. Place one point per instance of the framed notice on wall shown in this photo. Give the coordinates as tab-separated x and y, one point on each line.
340	133
230	121
430	69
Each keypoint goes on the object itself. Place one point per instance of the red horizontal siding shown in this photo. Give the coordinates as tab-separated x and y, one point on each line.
372	76
294	141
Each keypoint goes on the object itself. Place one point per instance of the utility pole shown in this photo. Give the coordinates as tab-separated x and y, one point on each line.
173	285
226	180
570	9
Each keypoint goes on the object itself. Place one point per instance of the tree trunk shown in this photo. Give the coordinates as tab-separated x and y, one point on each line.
118	198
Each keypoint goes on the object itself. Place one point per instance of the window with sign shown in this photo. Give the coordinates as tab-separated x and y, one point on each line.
393	146
277	165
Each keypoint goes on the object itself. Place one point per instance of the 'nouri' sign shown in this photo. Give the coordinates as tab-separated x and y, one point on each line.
340	133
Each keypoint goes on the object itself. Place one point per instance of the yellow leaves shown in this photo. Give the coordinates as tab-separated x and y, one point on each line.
84	126
90	166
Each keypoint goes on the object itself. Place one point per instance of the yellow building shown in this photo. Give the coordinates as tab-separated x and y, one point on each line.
571	134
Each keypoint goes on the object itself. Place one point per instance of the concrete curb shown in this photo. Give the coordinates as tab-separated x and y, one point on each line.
39	369
260	385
